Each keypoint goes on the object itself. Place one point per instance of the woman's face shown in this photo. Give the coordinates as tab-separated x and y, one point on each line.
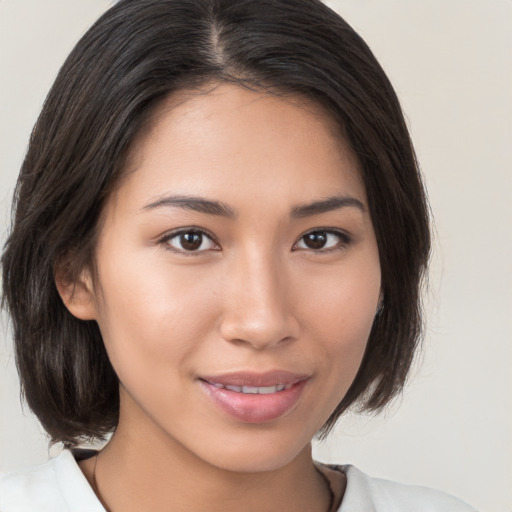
237	277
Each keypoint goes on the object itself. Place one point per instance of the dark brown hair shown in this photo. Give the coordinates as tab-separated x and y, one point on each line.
137	54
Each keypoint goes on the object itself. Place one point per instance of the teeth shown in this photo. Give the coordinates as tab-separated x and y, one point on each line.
250	389
268	389
255	390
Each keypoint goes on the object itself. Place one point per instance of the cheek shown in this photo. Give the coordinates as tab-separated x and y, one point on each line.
153	313
343	302
341	309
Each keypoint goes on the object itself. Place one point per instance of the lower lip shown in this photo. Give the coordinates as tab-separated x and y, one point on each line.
255	408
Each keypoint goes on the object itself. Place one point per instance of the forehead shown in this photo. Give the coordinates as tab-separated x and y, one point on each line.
229	140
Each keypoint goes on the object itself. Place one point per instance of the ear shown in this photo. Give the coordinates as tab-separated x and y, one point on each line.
76	291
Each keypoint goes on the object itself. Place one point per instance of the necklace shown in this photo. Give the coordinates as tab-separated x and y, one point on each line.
322	476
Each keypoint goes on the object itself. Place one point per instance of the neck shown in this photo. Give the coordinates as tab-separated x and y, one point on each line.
137	471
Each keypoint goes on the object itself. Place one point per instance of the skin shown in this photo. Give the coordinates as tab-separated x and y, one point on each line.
255	297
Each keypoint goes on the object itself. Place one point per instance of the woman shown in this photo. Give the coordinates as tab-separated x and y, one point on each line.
218	247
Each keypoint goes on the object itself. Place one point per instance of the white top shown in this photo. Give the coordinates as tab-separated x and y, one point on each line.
60	486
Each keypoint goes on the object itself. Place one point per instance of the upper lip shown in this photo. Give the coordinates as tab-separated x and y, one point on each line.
254	379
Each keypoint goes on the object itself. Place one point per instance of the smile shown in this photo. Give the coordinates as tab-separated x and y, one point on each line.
255	398
254	390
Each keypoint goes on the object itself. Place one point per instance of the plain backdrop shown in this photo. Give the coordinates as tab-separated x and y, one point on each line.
451	64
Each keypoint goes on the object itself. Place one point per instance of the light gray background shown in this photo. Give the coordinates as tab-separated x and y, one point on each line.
451	64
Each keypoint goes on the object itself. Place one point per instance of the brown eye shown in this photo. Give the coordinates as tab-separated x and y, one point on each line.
323	240
191	240
315	240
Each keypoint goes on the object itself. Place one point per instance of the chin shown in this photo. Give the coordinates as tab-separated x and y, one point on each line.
260	453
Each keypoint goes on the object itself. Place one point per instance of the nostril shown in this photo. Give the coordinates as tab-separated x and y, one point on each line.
259	308
260	335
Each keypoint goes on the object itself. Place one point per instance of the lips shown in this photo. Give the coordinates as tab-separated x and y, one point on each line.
254	390
255	398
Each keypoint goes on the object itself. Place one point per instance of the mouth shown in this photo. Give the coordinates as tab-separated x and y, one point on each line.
253	390
255	398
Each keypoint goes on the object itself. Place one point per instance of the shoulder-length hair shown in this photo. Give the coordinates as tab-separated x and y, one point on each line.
137	54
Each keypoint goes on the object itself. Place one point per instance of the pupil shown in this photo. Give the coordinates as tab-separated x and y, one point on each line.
315	240
191	241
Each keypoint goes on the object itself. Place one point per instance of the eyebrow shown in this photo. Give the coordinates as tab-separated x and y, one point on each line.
197	204
210	207
326	205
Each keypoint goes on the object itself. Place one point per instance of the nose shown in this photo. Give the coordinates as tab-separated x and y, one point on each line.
259	307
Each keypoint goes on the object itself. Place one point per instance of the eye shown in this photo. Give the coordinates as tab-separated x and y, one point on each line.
189	241
323	240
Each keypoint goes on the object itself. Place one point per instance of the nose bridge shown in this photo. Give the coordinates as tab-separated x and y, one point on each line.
258	310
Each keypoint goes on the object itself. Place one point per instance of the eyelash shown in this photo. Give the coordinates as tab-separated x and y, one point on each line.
344	240
183	231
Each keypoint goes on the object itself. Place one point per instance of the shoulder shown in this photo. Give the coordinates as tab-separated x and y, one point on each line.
57	485
367	494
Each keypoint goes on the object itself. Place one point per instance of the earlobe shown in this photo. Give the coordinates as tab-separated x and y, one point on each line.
77	293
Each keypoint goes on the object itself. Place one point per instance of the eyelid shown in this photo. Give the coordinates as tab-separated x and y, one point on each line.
162	240
345	239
